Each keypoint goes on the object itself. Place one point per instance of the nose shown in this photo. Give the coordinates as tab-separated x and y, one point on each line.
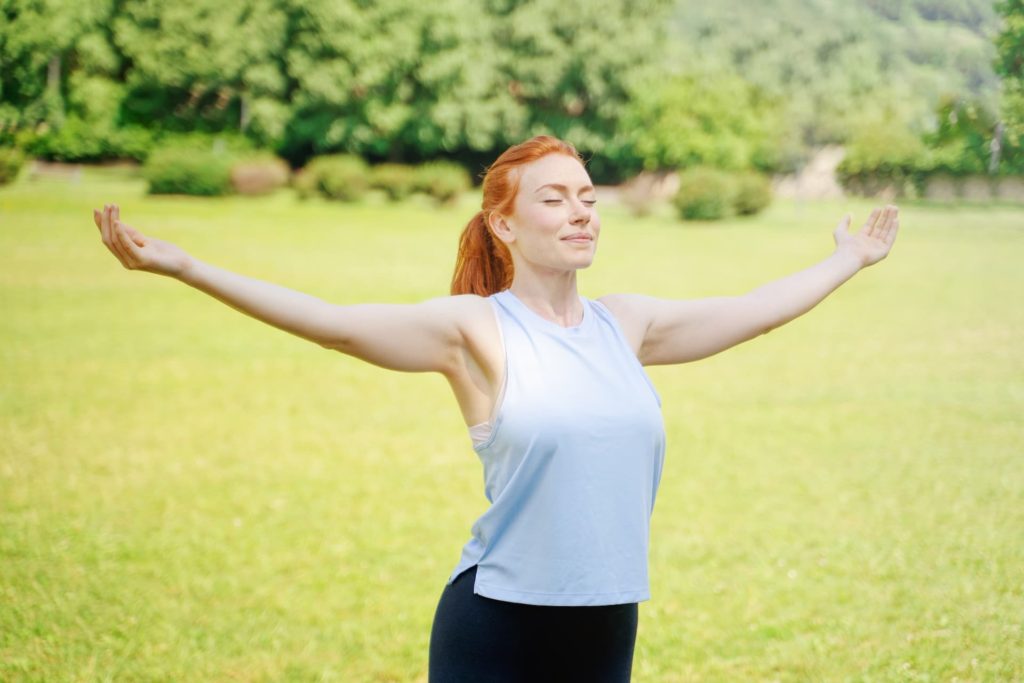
581	213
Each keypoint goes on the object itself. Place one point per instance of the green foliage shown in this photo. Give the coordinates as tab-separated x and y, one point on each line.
1010	64
397	180
306	183
408	81
77	140
337	176
881	154
442	180
11	161
1010	41
706	194
832	63
753	193
205	64
714	119
183	170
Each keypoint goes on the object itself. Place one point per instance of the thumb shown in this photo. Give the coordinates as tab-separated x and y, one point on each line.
843	227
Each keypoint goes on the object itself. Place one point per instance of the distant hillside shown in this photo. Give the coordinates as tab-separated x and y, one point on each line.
835	62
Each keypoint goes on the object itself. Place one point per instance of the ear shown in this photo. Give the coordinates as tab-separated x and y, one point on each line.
501	229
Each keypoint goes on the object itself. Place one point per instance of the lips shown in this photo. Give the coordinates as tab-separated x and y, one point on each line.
578	237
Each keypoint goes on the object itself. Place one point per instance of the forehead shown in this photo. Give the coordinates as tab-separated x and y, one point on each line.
553	168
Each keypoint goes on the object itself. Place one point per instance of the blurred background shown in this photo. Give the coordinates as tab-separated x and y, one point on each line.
902	97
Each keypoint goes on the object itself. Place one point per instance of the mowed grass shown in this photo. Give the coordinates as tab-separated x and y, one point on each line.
189	495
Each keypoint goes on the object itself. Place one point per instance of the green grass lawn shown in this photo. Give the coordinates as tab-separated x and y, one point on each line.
189	495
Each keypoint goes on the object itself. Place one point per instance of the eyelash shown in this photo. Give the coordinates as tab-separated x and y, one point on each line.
588	202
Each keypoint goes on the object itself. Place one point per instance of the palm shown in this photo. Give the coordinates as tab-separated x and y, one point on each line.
873	242
136	251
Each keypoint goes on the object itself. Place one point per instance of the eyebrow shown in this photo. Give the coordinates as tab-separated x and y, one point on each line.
563	188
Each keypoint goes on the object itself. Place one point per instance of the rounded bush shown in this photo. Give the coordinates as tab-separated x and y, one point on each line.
305	183
397	180
753	193
172	170
259	175
11	160
442	180
705	194
340	176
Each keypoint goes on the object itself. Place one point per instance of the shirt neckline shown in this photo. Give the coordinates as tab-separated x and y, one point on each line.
547	323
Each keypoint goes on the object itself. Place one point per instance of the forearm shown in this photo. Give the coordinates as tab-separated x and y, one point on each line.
783	300
295	312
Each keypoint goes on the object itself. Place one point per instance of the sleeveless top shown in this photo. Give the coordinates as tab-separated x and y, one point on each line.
571	465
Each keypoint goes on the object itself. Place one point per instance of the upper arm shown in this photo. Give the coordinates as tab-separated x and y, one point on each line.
667	331
419	337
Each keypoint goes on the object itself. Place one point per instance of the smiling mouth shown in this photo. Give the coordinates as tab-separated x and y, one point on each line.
578	238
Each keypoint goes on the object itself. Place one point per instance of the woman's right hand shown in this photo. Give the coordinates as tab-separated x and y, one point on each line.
136	251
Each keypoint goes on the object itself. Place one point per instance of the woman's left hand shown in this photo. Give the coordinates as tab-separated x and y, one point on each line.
873	242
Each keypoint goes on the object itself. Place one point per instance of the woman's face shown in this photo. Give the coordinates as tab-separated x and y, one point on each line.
553	224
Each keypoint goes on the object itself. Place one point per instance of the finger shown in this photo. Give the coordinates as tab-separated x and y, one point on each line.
105	224
893	228
113	242
869	225
137	237
105	227
843	227
127	246
98	220
883	222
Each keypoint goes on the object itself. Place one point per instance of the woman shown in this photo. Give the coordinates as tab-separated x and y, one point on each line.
560	411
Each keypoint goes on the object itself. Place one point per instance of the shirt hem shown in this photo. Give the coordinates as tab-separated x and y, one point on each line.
566	599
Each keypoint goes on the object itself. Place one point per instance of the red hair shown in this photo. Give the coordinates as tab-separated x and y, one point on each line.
484	264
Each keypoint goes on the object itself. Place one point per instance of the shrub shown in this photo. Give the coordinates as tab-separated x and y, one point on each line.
442	180
753	193
77	140
705	194
11	160
131	142
397	180
338	176
176	170
306	183
259	175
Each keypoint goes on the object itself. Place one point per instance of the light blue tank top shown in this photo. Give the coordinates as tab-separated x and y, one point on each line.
571	466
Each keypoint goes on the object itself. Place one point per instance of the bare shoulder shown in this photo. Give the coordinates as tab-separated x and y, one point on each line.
473	318
633	313
466	311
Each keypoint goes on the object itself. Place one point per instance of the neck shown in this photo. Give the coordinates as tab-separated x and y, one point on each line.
553	296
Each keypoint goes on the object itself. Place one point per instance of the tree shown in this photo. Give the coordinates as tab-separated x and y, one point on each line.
1010	65
707	118
205	64
395	79
39	39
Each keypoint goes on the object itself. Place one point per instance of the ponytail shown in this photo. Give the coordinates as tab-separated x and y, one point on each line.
483	265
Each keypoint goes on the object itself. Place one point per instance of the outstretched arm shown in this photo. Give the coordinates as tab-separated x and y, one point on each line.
410	337
666	331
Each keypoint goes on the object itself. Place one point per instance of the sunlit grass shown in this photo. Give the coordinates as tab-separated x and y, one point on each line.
186	494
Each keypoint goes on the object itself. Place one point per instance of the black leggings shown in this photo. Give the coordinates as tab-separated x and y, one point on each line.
476	639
